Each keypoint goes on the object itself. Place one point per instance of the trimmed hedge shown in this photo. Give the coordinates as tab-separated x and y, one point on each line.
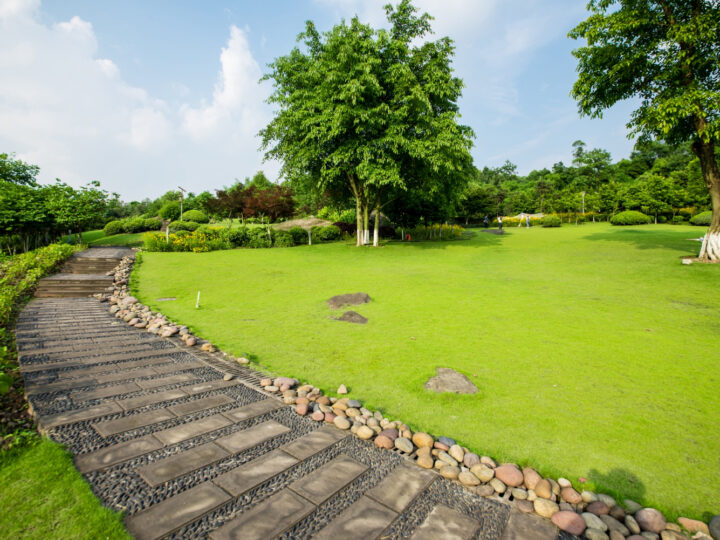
702	219
183	225
195	215
113	227
551	221
131	225
630	217
299	235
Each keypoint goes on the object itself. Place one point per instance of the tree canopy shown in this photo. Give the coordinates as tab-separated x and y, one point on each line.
667	54
370	115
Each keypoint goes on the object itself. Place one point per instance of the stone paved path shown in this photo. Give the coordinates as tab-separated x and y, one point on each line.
159	434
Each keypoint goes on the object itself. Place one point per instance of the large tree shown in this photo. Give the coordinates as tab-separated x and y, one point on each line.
370	114
667	54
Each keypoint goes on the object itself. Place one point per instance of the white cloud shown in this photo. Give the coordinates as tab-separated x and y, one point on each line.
72	113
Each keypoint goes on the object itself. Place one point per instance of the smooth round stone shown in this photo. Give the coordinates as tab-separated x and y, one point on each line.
631	524
301	409
607	499
526	507
447	458
283	387
441	446
638	537
265	382
404	445
554	486
509	474
354	403
531	495
714	527
318	416
323	400
588	496
302	400
424	451
450	472
566	506
569	522
564	482
693	525
468	479
598	508
632	506
141	324
568	494
372	422
545	507
228	377
483	472
651	520
595	534
614	525
341	422
426	462
490	462
615	535
390	433
470	460
543	489
671	535
498	485
288	400
447	441
422	440
530	477
330	417
365	432
282	381
649	535
519	494
457	453
190	342
594	522
617	512
381	441
272	388
351	412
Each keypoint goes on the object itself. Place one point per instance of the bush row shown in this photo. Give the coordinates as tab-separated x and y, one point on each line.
209	238
630	217
131	225
703	219
551	221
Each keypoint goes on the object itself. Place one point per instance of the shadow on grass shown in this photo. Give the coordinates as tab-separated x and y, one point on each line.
473	238
621	481
682	241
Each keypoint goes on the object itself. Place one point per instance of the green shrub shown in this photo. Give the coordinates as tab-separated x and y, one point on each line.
152	224
237	237
195	215
257	237
156	242
630	217
171	211
678	220
183	226
551	221
113	227
702	219
134	225
329	233
299	235
283	239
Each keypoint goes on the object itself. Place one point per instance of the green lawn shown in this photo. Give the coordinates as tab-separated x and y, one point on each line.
43	496
98	238
595	350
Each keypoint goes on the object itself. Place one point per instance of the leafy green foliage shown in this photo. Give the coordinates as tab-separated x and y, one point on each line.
551	221
113	227
170	211
183	225
630	217
259	237
326	234
702	218
195	215
152	224
283	239
300	235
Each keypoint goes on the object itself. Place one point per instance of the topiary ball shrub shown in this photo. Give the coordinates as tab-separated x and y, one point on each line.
134	225
170	210
153	224
678	220
299	235
630	217
195	215
183	226
113	227
551	221
258	238
283	239
238	237
702	219
327	234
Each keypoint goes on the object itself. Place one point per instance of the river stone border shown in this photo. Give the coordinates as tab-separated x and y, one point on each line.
526	489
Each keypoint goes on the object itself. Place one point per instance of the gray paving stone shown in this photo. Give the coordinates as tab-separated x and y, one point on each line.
106	368
201	404
159	472
108	391
254	473
117	453
521	526
364	519
446	523
242	440
75	360
323	483
150	399
401	487
266	520
193	429
78	415
178	366
314	442
124	375
207	386
166	381
253	409
134	421
175	512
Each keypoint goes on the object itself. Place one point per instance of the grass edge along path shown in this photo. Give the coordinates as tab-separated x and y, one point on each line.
590	345
43	496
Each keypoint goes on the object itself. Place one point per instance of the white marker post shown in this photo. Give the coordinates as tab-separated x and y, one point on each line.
197	302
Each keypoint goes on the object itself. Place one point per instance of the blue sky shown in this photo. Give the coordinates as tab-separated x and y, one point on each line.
145	96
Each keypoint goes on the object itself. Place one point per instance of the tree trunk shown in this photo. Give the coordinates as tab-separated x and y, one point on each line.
358	210
705	152
366	224
376	231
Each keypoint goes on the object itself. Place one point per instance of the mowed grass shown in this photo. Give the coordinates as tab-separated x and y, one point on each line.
594	349
43	496
98	238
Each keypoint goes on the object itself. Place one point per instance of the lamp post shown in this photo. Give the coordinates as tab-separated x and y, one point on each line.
182	192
